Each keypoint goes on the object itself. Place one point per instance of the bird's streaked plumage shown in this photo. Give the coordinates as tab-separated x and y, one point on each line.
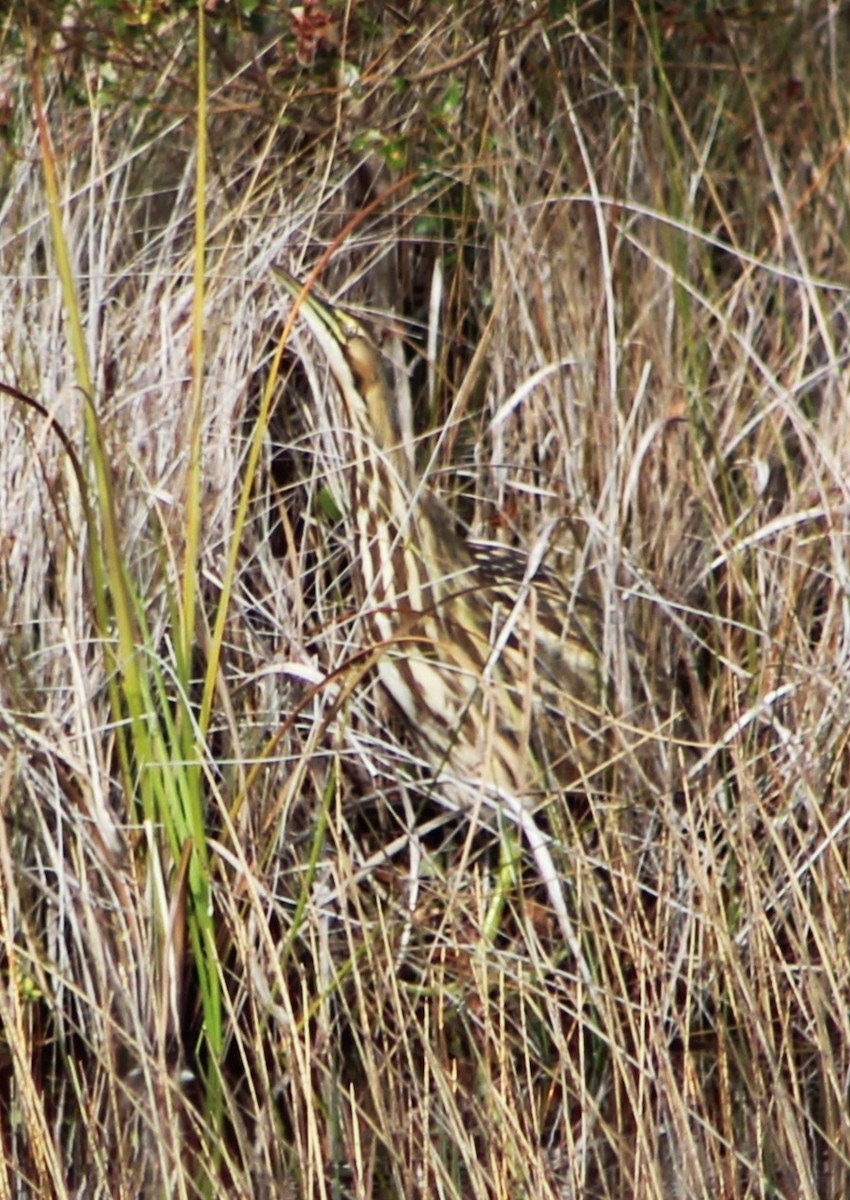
496	667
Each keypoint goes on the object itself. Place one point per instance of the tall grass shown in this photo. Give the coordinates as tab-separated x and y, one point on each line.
243	951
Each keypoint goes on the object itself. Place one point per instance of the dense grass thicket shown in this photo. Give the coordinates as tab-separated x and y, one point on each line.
243	952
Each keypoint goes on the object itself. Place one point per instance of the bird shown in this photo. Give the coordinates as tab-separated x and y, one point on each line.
494	663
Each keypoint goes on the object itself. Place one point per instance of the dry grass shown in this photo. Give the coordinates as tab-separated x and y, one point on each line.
615	199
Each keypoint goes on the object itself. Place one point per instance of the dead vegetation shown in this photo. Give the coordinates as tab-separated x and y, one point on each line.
241	948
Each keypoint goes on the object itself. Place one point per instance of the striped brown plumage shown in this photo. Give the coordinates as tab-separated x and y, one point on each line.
495	666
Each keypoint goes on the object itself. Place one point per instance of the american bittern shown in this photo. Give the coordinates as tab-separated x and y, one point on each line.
496	668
